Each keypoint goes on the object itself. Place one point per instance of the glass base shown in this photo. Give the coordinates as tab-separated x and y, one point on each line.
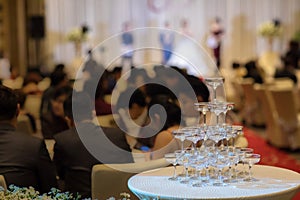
176	178
199	184
220	184
185	181
230	181
250	179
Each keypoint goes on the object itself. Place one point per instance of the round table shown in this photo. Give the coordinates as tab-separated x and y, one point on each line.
274	183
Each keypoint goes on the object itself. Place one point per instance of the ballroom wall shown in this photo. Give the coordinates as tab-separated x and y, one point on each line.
240	19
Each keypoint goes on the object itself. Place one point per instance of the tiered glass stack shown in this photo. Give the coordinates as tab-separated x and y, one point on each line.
214	162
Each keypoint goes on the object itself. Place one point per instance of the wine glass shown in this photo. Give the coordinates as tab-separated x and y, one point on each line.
185	162
214	82
227	107
194	135
242	153
251	159
233	158
217	108
202	107
199	162
179	134
172	158
215	134
220	162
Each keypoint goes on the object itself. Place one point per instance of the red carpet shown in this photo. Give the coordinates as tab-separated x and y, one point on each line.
271	155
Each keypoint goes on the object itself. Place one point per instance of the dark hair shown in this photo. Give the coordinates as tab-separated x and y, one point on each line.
199	88
156	89
65	90
8	103
82	103
137	97
170	108
57	77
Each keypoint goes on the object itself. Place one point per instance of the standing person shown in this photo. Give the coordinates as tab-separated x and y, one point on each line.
127	45
214	40
166	39
73	158
24	159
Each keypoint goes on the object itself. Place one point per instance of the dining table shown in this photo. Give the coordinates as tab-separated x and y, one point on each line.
273	183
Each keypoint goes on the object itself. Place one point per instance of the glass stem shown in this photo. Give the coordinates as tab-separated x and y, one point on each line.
186	173
215	94
250	175
220	175
174	173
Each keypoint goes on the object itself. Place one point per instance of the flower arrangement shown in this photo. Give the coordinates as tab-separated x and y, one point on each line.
78	34
270	29
14	193
123	196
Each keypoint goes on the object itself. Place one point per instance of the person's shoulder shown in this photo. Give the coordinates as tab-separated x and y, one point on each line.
112	130
65	134
26	139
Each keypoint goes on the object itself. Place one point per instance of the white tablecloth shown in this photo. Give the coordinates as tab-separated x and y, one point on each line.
274	183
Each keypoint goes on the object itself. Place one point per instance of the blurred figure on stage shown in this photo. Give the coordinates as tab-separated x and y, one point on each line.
127	45
166	39
214	40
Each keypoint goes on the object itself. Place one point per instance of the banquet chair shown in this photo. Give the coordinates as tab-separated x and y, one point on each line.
111	179
285	109
2	182
251	111
282	124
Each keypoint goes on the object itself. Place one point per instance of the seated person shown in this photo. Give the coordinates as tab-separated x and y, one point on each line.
24	159
54	122
133	114
198	92
253	72
24	115
83	145
101	106
157	134
58	79
288	71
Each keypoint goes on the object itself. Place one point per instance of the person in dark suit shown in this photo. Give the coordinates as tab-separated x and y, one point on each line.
24	159
86	144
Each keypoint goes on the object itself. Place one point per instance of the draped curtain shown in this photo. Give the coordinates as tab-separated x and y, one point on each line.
240	19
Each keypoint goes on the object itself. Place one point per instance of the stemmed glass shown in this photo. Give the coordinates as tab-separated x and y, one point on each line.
251	159
180	134
172	158
214	82
220	162
194	135
199	162
227	107
185	161
202	107
217	108
216	134
233	158
242	154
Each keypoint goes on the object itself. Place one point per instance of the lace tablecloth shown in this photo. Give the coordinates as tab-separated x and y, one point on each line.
274	183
